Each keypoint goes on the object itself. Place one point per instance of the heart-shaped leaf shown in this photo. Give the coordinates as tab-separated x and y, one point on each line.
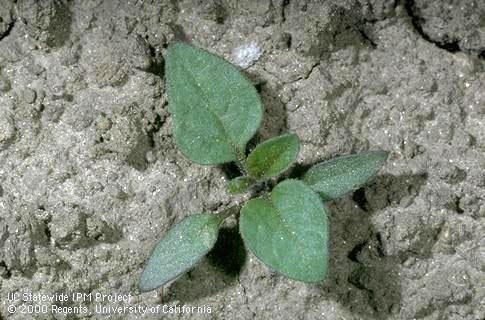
215	109
336	177
288	232
240	184
180	249
273	156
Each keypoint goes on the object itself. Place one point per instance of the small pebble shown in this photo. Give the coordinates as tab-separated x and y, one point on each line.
29	95
4	84
247	55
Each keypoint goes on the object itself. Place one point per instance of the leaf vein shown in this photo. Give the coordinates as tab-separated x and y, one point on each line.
214	115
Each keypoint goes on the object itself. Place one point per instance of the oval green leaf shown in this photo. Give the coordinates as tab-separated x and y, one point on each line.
289	232
336	177
215	109
180	249
240	184
273	156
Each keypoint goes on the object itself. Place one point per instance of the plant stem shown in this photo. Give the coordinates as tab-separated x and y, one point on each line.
241	163
230	211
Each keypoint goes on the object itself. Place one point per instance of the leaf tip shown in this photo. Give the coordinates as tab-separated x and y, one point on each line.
240	184
380	157
145	282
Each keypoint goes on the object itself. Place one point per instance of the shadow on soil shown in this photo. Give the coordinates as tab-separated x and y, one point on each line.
275	120
219	270
361	276
229	254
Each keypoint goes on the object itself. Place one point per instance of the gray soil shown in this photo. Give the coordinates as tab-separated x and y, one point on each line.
90	177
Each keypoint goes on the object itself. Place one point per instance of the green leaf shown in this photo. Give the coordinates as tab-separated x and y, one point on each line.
180	249
336	177
240	184
215	109
273	156
289	232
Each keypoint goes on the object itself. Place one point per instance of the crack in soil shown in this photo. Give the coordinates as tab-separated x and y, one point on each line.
417	22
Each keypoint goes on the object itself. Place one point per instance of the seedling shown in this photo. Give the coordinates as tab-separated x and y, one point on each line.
215	112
